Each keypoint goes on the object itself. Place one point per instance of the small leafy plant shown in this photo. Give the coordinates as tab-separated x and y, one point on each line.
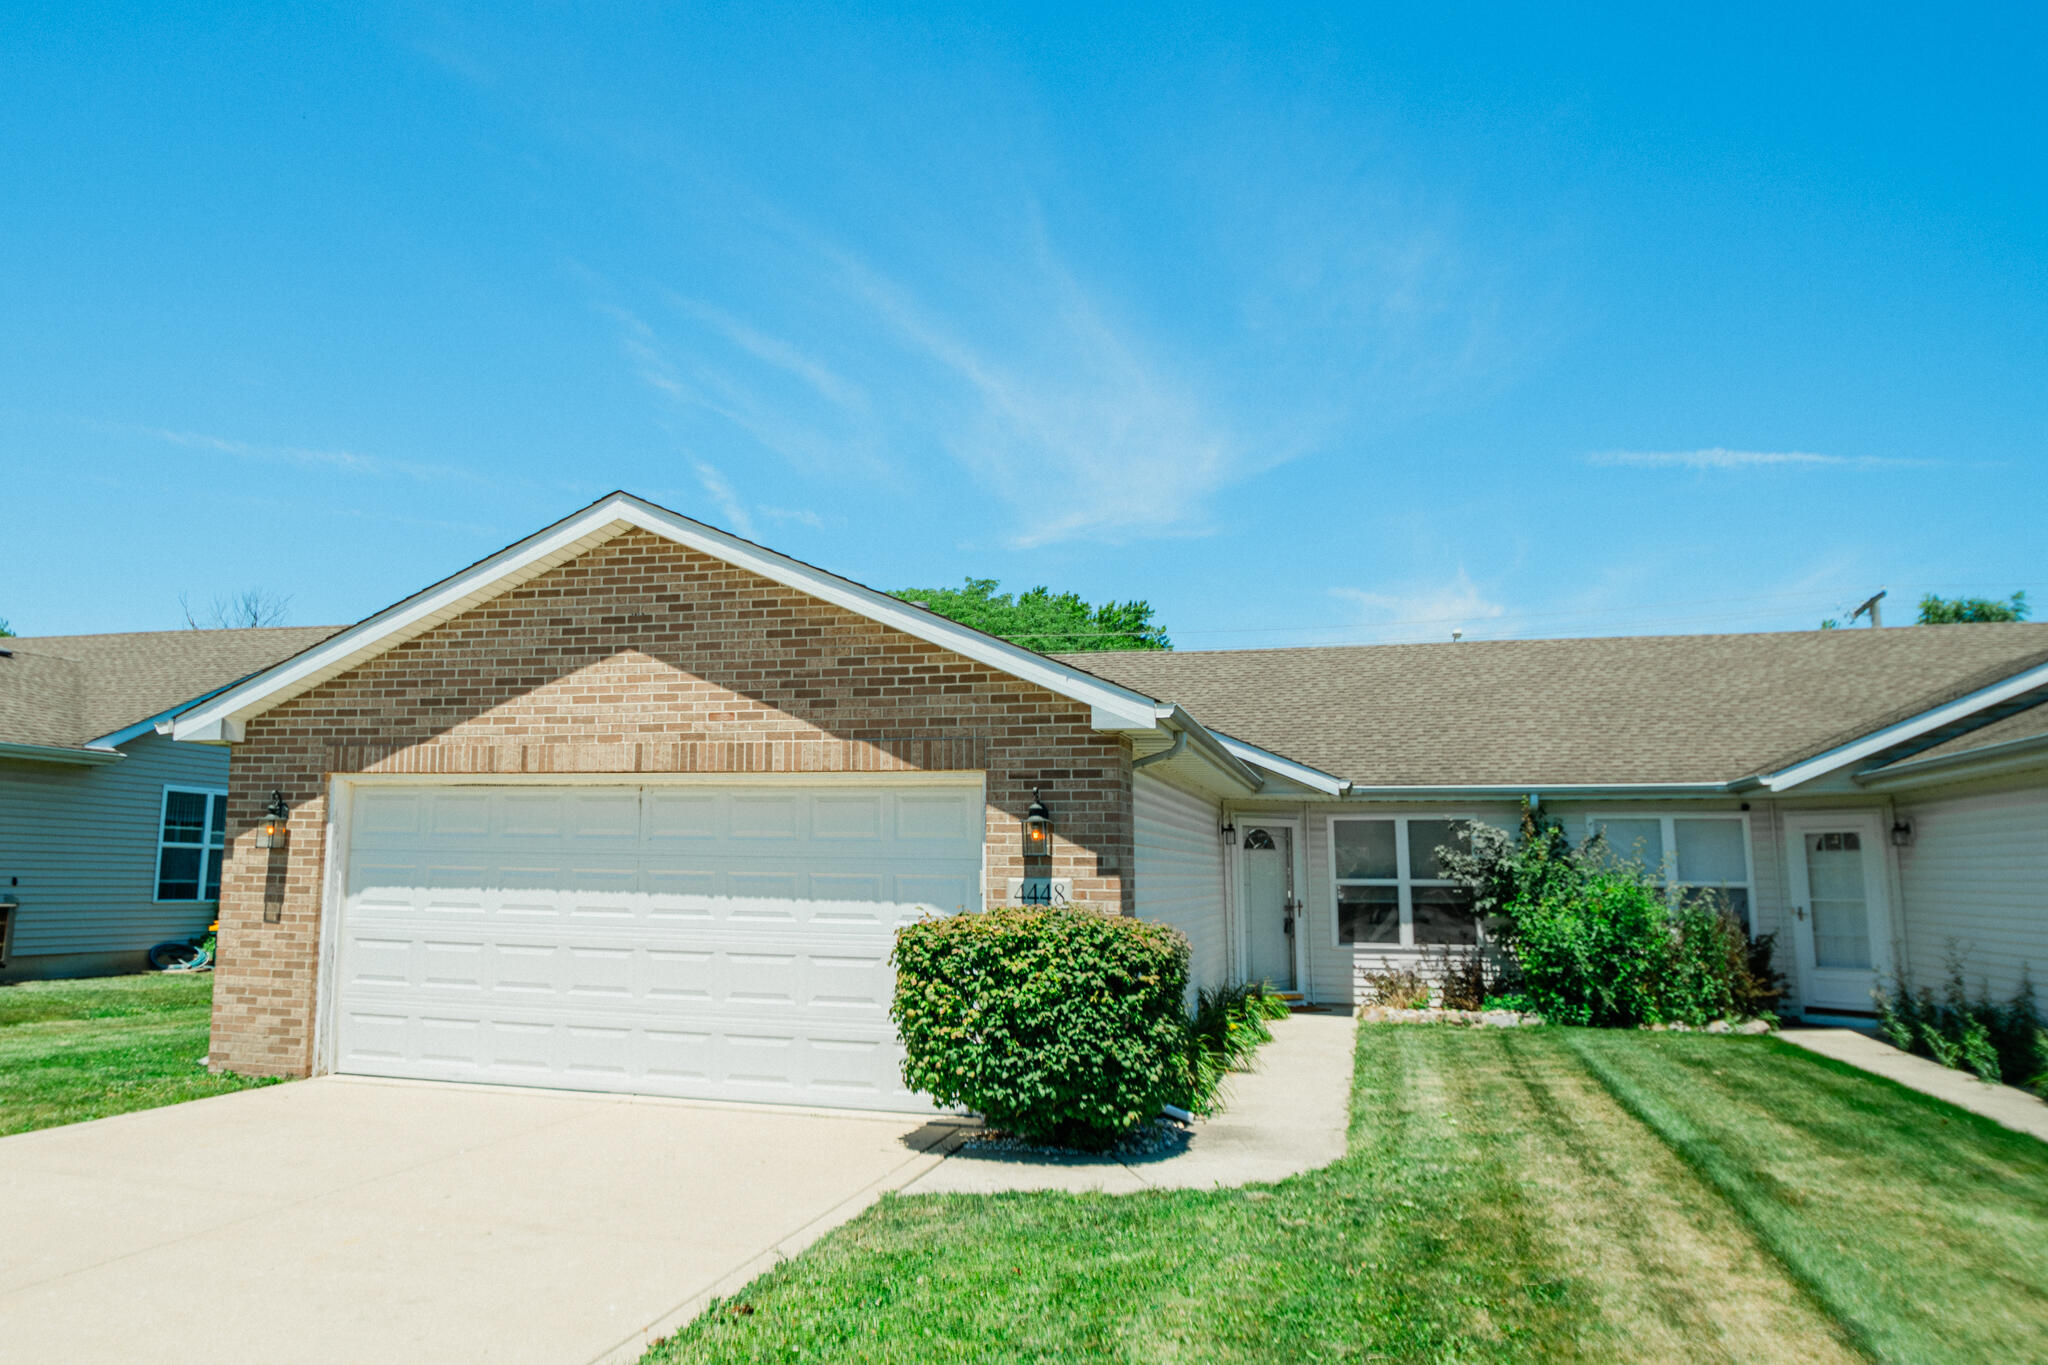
1229	1024
1997	1042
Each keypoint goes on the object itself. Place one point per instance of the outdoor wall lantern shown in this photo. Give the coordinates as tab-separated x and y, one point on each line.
273	834
1228	834
1037	829
1902	833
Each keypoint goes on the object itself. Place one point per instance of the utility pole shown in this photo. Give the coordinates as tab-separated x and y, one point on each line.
1871	606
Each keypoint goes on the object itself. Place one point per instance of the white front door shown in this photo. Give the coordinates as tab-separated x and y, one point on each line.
718	940
1841	921
1266	869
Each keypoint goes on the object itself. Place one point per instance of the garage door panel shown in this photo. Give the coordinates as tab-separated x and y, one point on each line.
777	818
717	943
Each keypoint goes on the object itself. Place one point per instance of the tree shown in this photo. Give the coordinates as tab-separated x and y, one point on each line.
6	631
254	607
1052	623
1948	611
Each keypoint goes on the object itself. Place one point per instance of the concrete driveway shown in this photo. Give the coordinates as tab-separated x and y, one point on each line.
352	1220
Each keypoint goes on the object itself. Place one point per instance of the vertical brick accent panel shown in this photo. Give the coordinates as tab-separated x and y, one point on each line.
640	656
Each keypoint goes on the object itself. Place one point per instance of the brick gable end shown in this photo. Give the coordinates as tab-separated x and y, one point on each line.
641	656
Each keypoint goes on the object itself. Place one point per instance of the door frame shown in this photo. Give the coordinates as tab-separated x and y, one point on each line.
1296	833
1877	889
342	788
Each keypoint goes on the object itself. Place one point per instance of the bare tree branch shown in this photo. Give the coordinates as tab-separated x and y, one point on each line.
240	611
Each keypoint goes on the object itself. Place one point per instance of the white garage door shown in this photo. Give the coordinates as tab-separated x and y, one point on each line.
724	942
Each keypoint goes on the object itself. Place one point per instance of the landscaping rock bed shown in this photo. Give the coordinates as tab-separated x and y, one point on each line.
1148	1141
1387	1014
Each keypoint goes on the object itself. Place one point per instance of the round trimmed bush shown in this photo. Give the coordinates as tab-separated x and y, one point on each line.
1057	1025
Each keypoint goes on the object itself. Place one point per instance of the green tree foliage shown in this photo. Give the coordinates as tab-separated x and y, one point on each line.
1040	619
5	631
1948	611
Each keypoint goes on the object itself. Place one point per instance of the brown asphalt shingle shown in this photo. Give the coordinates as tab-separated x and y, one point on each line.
65	690
1665	708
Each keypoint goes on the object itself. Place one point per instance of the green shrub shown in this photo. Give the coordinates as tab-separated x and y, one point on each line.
1057	1025
1596	953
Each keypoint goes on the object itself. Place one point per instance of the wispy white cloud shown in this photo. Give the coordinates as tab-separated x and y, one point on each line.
797	516
723	496
1428	611
344	461
1718	458
783	355
1129	444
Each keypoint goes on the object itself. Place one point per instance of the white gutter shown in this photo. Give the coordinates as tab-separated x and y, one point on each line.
57	753
1187	731
1315	779
1911	728
1536	791
1989	758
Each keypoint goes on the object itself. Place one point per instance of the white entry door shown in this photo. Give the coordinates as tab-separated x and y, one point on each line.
1266	872
723	941
1841	920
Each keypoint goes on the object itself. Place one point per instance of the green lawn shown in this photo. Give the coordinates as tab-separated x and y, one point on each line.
73	1050
1537	1195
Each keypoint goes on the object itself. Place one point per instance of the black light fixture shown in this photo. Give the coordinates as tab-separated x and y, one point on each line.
1037	829
1228	834
273	834
1902	833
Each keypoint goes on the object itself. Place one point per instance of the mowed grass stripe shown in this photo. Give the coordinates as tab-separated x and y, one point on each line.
1678	1275
1923	1229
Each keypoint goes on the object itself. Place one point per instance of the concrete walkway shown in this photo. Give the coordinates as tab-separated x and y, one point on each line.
2002	1104
1288	1115
349	1220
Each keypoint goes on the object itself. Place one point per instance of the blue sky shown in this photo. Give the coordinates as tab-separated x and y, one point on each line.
1309	330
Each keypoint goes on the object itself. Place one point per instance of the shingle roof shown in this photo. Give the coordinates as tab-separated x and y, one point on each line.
63	691
1666	708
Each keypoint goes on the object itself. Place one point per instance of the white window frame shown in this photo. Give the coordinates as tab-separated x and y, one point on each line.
1403	880
1667	874
215	796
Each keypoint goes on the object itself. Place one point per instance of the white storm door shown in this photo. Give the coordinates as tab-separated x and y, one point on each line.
1841	916
721	940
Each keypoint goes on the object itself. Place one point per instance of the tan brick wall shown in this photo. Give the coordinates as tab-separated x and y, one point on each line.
641	656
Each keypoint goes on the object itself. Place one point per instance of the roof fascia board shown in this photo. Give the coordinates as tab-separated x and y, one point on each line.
55	753
1209	745
1124	709
1315	779
1879	740
157	722
395	624
1991	758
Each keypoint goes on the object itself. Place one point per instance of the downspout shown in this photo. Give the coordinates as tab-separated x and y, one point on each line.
1180	744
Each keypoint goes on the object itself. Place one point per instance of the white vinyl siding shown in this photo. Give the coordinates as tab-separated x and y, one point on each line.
82	840
1976	875
1178	861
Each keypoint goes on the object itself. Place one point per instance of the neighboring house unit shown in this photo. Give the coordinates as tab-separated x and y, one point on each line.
110	833
637	805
